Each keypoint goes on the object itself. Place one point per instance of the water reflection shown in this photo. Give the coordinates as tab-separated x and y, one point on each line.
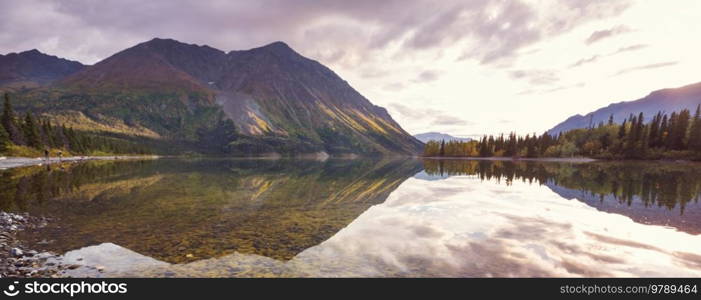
179	210
649	192
459	226
358	218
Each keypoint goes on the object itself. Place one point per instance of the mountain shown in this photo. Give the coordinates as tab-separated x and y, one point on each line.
32	68
666	100
437	136
278	101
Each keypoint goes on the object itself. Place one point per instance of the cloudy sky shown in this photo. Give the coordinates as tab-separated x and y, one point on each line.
462	67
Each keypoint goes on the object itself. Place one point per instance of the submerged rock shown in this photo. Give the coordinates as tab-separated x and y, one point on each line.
16	262
16	252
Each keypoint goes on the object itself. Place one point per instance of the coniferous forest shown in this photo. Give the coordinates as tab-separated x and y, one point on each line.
665	136
29	135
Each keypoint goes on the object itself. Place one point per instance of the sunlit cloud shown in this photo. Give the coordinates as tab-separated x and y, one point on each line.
646	67
607	33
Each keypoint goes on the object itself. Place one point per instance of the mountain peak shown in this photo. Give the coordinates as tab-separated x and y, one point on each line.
277	47
161	42
32	52
168	43
33	68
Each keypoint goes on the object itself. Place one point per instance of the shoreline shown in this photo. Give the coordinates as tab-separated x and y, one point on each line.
17	162
18	261
498	158
562	159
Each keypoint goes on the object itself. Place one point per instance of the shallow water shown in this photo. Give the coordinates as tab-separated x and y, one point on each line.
364	218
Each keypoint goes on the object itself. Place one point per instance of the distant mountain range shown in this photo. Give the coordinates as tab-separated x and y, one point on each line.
437	136
666	100
32	68
189	95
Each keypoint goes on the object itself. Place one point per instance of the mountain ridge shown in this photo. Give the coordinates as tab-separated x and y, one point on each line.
278	100
32	68
666	100
438	136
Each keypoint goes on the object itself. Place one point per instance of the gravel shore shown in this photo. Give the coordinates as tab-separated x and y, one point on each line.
16	261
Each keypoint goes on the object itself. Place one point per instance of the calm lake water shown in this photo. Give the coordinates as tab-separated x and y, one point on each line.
364	218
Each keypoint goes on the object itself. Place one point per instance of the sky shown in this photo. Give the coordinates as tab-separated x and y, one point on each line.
465	68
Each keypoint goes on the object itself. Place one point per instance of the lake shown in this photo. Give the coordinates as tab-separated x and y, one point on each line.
363	218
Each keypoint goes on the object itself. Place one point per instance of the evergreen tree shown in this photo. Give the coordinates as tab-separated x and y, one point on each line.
511	148
678	125
683	129
48	137
4	139
530	146
484	147
31	132
678	131
695	131
10	122
654	130
622	132
644	143
664	132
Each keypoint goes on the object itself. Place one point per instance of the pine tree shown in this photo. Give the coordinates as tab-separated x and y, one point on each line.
530	146
695	131
678	130
654	130
484	147
610	120
644	143
664	132
31	132
4	139
671	140
48	137
622	131
511	149
10	122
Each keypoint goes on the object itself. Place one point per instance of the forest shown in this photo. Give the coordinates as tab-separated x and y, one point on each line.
665	136
30	136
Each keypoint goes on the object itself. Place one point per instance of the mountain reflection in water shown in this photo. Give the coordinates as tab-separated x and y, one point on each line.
648	192
186	210
365	218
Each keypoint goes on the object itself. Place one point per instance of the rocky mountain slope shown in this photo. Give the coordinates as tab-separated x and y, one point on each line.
263	100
